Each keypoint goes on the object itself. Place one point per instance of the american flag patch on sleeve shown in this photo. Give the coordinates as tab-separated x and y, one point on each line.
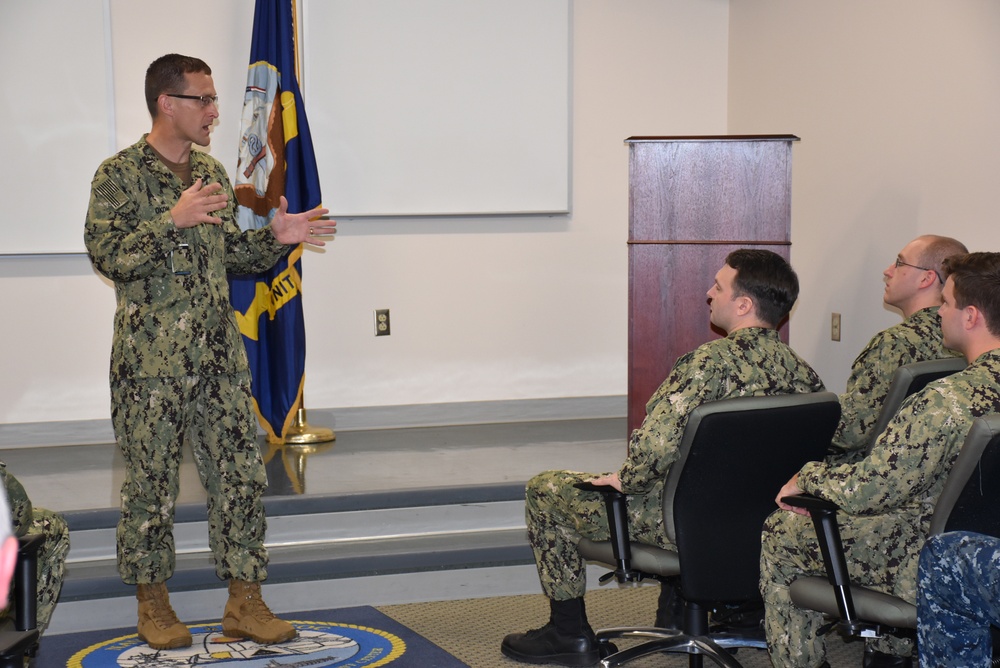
111	193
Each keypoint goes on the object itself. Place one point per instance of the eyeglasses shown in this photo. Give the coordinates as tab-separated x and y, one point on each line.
204	99
900	263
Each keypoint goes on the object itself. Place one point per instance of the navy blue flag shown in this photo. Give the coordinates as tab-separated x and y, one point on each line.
276	158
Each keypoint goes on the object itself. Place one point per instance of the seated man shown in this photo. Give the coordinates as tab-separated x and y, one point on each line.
753	292
913	284
888	497
957	599
52	555
8	550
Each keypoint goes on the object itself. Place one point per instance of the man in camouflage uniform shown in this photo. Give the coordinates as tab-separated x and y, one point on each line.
52	555
8	549
751	295
162	225
888	497
913	284
959	577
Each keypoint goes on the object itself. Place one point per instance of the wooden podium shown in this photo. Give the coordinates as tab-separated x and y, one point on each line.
692	200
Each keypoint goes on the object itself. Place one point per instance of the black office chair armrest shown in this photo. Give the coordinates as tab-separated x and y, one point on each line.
614	502
824	517
25	584
810	502
16	645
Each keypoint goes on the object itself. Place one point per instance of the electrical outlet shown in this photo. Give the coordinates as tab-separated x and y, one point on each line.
835	327
382	322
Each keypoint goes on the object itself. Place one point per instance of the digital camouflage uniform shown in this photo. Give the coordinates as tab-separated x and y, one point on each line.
959	598
887	501
916	339
26	519
179	370
750	361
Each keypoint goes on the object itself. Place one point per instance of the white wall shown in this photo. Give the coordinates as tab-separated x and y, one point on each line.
482	309
898	109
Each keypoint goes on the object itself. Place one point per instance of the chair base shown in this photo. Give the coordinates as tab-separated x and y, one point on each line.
715	646
15	645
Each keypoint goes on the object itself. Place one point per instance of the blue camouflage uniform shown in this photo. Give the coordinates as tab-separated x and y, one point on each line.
958	598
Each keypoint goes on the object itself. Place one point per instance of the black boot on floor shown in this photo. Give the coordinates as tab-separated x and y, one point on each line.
875	659
670	606
567	640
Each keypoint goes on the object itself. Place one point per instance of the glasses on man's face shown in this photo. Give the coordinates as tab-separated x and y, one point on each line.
204	99
900	263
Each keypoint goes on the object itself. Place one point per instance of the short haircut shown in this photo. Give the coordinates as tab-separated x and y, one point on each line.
977	283
166	75
937	249
766	278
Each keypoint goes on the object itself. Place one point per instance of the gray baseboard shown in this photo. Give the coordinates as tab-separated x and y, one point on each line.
87	432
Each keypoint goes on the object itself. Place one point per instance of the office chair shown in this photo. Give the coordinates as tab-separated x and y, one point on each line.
909	379
734	455
970	501
23	640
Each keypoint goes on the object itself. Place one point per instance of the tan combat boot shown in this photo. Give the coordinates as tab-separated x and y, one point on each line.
247	616
158	625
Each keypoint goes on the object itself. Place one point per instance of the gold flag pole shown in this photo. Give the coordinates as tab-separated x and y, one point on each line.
301	433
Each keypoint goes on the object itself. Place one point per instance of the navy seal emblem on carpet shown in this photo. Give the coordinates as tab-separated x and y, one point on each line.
318	645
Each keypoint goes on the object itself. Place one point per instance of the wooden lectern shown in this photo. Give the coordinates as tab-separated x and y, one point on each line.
692	200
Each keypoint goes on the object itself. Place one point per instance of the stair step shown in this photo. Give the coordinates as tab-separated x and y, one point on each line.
330	537
481	549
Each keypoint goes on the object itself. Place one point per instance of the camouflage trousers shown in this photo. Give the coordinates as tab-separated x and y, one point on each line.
152	418
959	580
881	553
51	563
558	515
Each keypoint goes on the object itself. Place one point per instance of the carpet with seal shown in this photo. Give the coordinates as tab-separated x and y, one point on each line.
360	637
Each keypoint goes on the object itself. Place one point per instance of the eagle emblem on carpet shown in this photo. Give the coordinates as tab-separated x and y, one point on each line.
319	644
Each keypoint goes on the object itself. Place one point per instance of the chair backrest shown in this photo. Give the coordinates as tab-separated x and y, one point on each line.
910	379
734	457
970	500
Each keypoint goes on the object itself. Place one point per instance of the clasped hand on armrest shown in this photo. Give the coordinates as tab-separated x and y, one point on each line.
810	503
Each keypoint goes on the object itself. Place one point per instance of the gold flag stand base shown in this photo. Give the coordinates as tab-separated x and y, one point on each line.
300	433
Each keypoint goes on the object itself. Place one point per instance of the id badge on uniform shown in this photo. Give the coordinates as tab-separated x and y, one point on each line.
180	260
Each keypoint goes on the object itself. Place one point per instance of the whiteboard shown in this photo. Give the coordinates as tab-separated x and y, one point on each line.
439	107
55	121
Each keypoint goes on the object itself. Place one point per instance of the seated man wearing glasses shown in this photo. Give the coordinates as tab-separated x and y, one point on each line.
886	500
913	285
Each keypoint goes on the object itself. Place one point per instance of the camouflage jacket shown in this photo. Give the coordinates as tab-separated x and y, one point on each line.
905	472
173	315
750	361
21	510
916	339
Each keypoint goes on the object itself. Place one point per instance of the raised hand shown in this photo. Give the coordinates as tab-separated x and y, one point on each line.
297	228
197	204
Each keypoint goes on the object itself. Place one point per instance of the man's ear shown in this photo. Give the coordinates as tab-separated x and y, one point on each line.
745	305
165	104
971	316
928	280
